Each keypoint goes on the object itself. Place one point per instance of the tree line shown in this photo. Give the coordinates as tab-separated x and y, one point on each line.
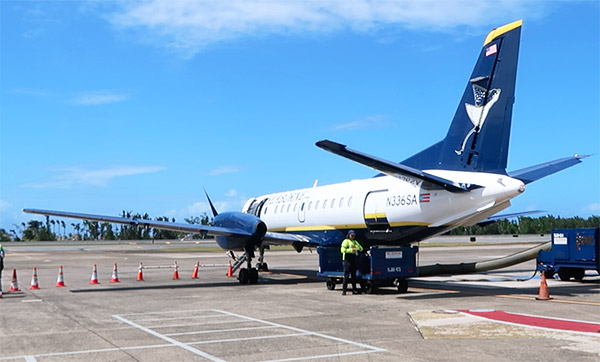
528	225
52	230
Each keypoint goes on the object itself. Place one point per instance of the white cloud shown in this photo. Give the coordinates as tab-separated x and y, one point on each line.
4	205
221	170
190	25
593	208
75	176
231	193
373	121
99	97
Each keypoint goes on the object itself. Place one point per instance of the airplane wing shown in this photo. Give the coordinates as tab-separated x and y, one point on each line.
270	238
189	228
392	168
534	173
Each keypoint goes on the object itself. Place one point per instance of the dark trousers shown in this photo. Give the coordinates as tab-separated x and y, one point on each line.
349	271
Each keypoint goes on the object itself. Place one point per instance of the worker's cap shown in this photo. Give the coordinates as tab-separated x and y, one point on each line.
351	232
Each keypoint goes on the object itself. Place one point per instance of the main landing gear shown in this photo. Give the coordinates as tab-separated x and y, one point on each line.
249	275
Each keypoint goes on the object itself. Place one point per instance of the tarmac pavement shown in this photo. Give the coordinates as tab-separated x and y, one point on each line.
289	315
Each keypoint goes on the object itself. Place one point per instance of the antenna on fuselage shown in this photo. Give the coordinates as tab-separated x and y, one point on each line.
212	207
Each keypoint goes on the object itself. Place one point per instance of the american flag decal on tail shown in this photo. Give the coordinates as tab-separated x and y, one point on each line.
424	197
491	50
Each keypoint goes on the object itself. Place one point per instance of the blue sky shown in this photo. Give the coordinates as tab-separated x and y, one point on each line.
138	105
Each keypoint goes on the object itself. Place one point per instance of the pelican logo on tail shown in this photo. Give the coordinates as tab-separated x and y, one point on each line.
478	112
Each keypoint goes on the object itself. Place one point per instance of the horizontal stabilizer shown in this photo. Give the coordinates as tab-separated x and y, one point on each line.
533	173
392	168
495	218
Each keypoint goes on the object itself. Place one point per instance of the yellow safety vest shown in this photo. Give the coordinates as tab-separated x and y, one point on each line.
348	246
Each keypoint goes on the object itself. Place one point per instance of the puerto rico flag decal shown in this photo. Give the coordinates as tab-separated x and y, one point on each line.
424	197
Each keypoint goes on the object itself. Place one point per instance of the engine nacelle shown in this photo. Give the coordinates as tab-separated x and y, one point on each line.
247	223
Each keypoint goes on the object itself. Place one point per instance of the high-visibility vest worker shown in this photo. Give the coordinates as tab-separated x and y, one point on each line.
349	245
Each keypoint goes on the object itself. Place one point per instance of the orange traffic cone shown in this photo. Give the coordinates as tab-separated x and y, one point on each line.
230	270
60	281
34	280
543	293
115	276
140	276
176	272
195	273
14	286
94	279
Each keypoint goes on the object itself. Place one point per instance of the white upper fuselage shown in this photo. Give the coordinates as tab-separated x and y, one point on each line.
386	202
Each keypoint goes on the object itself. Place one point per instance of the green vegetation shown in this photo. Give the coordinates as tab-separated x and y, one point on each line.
52	230
528	225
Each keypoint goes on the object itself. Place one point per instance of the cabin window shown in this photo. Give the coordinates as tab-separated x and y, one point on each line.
325	204
266	208
332	203
317	205
289	207
295	207
276	207
350	201
309	206
342	202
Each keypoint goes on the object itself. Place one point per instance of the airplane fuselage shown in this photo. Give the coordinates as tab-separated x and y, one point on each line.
384	210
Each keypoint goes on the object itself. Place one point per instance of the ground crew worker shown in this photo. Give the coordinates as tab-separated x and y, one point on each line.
1	266
350	249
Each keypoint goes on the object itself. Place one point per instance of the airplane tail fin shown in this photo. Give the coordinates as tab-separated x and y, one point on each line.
478	136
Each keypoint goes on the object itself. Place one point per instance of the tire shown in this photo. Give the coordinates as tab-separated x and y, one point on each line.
402	285
578	274
330	284
244	276
253	276
549	274
564	274
369	287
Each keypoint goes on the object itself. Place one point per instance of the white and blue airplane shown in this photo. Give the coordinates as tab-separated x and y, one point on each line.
459	181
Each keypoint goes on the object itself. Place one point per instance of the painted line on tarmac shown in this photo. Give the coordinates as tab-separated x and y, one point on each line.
437	290
237	319
550	300
169	339
32	357
509	296
341	340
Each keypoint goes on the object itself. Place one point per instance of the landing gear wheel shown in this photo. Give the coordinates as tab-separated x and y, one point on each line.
253	276
402	285
564	274
330	284
244	276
